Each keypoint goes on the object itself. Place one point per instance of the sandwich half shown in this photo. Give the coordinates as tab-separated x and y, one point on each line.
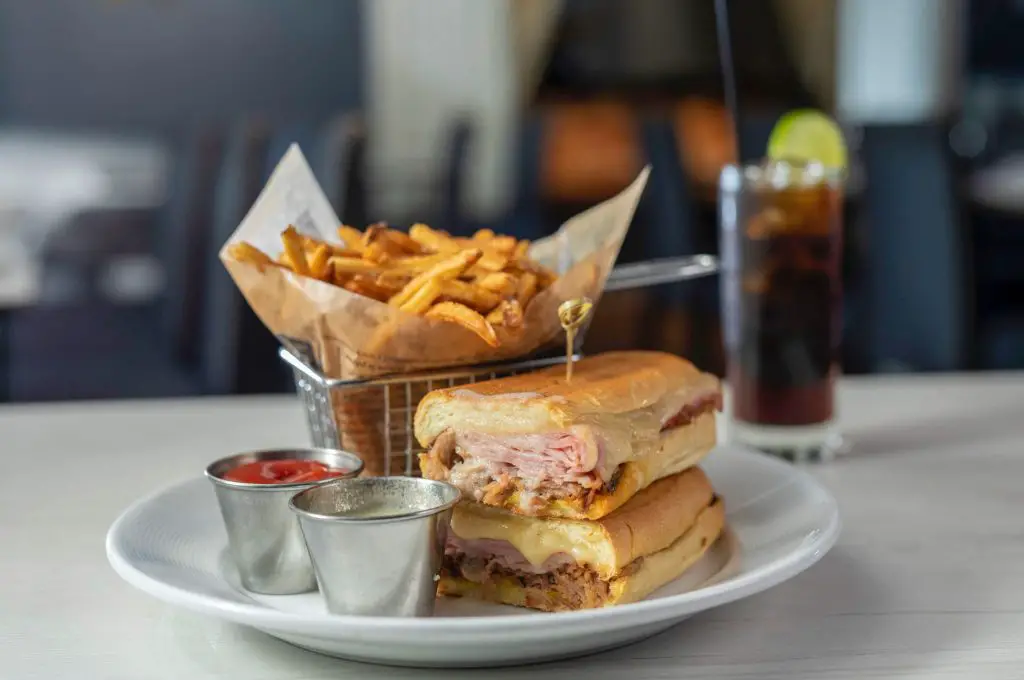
560	564
536	445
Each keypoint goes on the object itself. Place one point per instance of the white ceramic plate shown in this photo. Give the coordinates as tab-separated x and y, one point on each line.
781	521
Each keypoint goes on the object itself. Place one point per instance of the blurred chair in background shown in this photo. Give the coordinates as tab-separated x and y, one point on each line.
238	353
156	72
101	348
916	250
526	219
343	160
447	207
454	175
587	150
186	238
988	134
998	258
80	258
677	313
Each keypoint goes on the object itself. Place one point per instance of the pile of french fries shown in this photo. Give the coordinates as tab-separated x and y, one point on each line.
479	282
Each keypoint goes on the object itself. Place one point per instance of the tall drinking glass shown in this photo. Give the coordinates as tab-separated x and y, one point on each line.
781	245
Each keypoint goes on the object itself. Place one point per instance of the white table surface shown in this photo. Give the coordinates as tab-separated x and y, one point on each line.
927	580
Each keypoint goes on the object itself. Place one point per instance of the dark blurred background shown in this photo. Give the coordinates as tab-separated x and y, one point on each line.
135	134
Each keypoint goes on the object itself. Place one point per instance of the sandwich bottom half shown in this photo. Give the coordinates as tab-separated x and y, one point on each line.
564	565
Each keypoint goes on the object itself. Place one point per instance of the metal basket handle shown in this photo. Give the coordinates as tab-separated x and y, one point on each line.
667	270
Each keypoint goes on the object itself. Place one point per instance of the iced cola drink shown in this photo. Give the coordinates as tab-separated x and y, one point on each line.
781	244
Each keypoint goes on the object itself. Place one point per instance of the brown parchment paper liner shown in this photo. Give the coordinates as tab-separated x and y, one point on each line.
352	336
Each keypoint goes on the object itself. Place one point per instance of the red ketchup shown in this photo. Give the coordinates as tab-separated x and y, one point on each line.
288	471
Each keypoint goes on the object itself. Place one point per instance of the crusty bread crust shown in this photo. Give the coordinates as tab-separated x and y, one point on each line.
670	563
604	385
636	583
650	521
654	518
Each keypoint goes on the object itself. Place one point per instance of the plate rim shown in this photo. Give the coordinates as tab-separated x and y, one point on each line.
650	610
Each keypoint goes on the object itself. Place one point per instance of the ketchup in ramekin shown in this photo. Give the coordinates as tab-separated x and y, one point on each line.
264	539
286	471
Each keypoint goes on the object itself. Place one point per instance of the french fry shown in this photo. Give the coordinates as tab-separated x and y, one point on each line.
545	277
378	287
506	245
367	287
378	239
293	248
394	277
454	265
354	265
379	252
473	296
465	317
521	250
376	247
502	283
513	313
318	261
244	251
374	232
479	282
310	243
527	288
432	240
404	242
364	288
449	268
351	237
493	261
338	278
423	298
415	264
509	314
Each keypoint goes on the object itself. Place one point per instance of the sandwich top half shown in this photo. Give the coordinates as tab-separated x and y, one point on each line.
535	444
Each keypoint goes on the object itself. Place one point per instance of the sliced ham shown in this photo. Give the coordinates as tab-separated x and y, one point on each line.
490	468
537	459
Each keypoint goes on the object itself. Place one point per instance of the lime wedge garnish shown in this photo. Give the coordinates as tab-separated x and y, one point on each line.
805	136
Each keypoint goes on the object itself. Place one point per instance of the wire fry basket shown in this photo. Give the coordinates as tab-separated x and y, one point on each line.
373	418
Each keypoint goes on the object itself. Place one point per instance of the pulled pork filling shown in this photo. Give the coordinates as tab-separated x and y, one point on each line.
569	586
539	467
559	583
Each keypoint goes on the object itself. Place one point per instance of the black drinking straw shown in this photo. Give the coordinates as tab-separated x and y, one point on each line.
728	63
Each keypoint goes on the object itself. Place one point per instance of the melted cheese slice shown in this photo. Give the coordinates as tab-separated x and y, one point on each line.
536	539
